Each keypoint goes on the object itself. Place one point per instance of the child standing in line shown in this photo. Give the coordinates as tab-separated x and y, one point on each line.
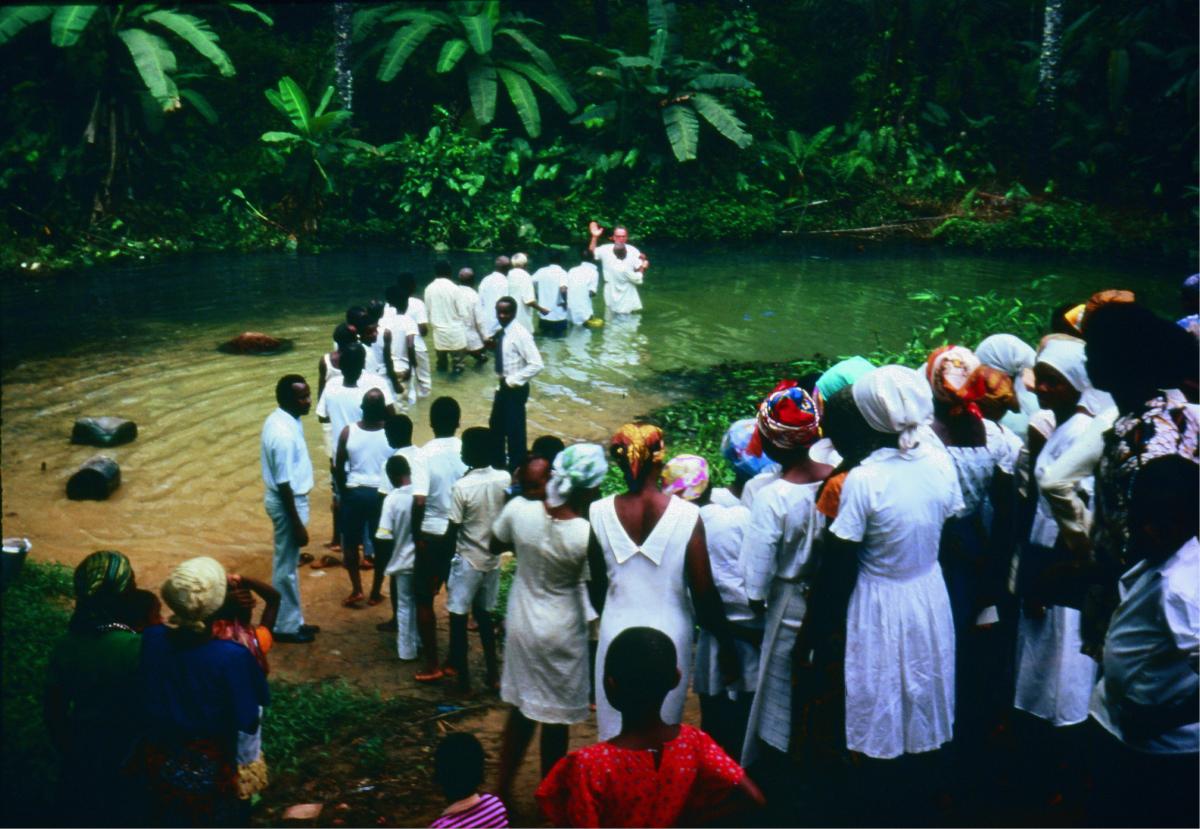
458	769
394	540
652	773
476	501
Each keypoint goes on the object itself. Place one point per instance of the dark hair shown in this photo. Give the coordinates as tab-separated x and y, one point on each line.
399	429
441	268
397	467
407	283
392	294
444	416
503	264
1129	347
140	609
507	300
373	405
554	257
1165	490
343	335
458	765
641	663
548	447
466	275
357	316
352	360
284	395
844	424
374	310
1058	320
477	446
808	381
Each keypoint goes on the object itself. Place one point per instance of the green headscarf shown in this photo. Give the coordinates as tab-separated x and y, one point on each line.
101	580
840	375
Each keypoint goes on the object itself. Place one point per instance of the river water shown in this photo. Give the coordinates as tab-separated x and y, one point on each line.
139	341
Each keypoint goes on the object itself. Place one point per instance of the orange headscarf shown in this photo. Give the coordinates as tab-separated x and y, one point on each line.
637	443
948	371
993	385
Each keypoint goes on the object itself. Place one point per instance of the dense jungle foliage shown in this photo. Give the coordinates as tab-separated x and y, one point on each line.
133	128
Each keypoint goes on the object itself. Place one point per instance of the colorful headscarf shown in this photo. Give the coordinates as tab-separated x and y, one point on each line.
787	418
101	580
947	371
195	590
636	444
993	385
685	476
734	448
896	400
1077	316
580	466
838	376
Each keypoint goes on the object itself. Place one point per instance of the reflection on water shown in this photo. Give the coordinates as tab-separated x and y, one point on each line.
139	342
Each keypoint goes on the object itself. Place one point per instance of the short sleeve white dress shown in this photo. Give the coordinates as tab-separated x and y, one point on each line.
646	588
545	672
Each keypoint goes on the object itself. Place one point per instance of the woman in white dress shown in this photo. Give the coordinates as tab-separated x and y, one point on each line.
545	673
899	629
647	551
776	557
1054	679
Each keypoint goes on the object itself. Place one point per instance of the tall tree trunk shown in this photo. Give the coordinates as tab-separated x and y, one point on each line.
343	14
1047	92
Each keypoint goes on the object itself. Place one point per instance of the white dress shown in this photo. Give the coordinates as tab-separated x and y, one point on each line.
545	672
775	560
724	531
646	588
1054	680
899	630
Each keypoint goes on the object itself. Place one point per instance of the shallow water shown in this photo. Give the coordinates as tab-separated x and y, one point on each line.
139	341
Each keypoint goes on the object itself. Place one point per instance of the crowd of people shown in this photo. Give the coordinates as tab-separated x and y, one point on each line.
906	564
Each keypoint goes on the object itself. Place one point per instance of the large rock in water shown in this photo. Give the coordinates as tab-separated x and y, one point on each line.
255	342
95	480
103	431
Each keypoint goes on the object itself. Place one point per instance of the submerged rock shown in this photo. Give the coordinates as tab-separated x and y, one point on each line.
255	342
95	480
103	431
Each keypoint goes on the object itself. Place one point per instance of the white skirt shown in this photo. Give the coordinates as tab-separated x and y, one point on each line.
899	665
1054	680
771	713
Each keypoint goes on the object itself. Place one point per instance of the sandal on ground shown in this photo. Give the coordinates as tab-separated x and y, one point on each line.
449	671
435	675
333	545
374	600
306	558
354	600
326	561
366	564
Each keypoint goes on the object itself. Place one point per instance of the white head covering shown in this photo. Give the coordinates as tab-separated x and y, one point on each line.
896	400
1010	354
1068	357
580	466
519	260
195	590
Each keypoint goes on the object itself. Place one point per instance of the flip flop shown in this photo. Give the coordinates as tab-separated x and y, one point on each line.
326	561
449	671
306	558
333	545
354	600
374	600
366	564
432	676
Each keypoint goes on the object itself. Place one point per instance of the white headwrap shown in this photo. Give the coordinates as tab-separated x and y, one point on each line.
1068	357
1010	354
896	400
580	466
195	590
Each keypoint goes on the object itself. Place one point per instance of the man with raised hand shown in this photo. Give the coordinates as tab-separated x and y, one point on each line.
623	267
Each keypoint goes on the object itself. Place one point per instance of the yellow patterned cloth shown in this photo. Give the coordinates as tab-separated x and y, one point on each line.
637	444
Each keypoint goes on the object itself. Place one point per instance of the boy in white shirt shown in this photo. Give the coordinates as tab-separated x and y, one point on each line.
477	499
395	546
435	547
398	429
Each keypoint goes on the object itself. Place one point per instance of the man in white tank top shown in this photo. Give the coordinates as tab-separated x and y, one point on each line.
362	451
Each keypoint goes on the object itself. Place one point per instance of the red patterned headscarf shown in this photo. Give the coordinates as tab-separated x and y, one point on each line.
948	369
787	418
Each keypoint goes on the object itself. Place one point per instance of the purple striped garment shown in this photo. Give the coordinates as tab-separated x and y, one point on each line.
487	813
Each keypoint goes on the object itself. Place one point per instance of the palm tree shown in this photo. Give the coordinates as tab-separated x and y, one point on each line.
664	84
139	69
490	47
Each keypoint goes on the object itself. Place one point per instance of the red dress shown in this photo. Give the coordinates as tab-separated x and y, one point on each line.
602	785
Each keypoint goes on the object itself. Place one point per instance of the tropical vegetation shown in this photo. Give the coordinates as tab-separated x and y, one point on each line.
138	128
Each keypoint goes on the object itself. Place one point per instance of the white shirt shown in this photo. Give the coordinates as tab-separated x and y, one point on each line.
284	454
621	279
896	507
583	281
784	524
395	524
445	303
343	405
473	318
418	471
416	311
491	288
520	288
1152	648
724	531
444	458
752	486
366	453
518	355
477	500
400	326
548	282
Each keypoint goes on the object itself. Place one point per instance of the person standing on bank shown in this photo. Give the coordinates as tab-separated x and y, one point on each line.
288	476
623	266
517	361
